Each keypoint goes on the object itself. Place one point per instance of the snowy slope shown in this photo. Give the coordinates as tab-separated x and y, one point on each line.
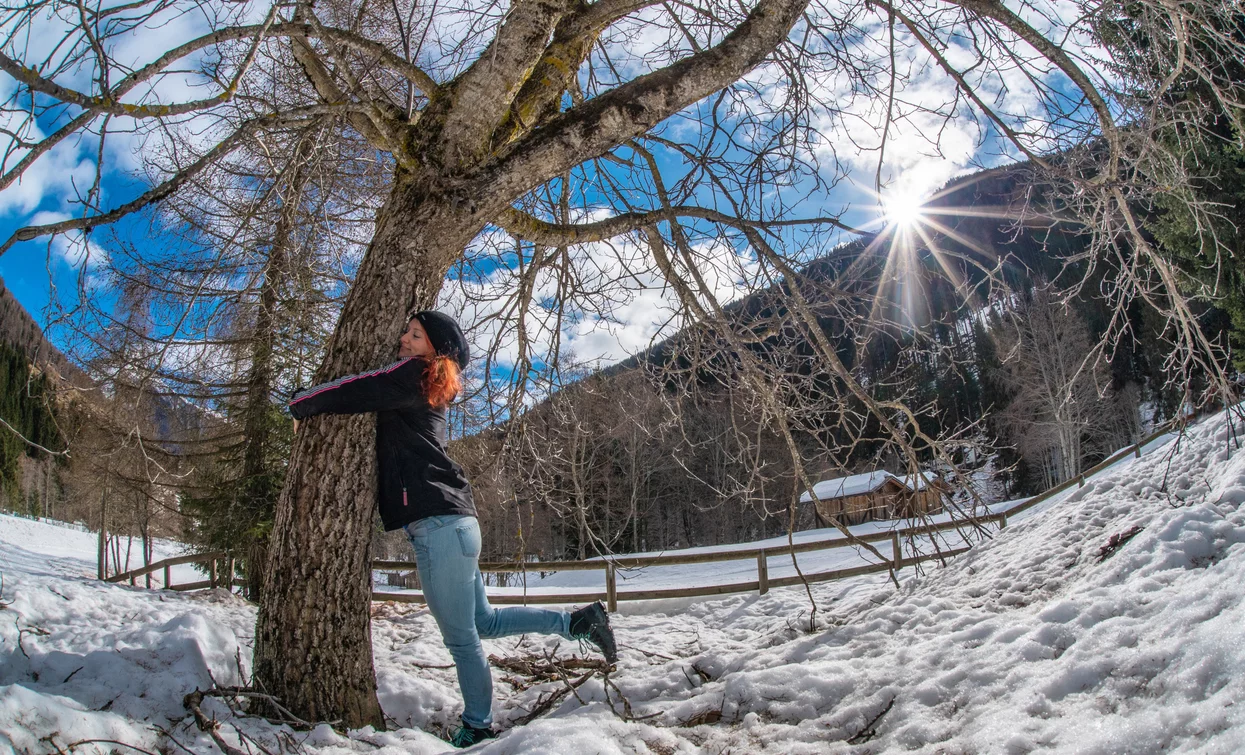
49	547
1042	639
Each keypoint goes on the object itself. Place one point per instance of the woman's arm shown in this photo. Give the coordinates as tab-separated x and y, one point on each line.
393	386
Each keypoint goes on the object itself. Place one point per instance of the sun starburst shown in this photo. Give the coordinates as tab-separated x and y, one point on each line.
915	229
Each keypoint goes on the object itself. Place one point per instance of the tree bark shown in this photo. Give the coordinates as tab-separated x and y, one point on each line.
318	580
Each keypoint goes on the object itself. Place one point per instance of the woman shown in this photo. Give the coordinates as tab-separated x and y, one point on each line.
425	492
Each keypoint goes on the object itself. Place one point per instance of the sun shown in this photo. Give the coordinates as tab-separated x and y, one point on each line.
903	209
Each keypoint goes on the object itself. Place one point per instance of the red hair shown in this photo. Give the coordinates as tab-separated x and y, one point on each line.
442	380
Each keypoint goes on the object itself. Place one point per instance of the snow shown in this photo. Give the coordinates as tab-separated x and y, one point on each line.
48	547
1059	634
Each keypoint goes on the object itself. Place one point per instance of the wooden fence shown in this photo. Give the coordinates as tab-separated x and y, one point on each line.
762	584
611	595
216	576
1079	480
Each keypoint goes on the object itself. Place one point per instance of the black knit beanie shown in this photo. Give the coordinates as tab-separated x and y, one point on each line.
445	336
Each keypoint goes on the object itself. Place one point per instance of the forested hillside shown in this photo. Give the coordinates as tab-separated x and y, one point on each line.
32	371
19	330
659	452
110	457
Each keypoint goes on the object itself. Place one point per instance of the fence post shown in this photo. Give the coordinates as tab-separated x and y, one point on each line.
1080	481
212	573
103	536
1002	521
896	551
611	588
166	577
1137	450
762	573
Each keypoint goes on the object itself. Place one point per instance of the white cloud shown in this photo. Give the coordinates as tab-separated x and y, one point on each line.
54	175
621	307
72	248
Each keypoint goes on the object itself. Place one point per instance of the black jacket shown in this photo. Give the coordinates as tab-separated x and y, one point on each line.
415	477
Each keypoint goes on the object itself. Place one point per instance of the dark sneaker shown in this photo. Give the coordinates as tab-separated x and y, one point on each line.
592	623
469	735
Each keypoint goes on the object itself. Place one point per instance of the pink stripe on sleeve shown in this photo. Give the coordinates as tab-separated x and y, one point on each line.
316	390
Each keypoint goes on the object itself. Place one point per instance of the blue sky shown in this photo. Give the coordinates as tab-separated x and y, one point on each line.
924	151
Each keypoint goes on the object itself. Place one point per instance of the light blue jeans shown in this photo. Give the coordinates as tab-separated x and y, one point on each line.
447	553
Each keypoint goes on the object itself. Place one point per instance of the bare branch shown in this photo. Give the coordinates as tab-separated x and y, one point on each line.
527	227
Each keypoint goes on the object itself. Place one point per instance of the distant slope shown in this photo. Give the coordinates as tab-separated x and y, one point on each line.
18	328
980	213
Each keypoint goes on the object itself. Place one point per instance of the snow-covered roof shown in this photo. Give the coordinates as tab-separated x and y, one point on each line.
922	481
865	482
840	487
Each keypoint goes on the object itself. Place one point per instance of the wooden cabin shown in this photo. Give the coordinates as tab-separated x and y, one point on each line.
858	498
876	495
926	495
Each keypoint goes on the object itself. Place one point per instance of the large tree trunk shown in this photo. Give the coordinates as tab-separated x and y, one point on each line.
319	582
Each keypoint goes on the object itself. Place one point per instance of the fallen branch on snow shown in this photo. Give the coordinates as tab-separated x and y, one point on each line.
1117	541
870	731
209	725
544	670
546	702
68	748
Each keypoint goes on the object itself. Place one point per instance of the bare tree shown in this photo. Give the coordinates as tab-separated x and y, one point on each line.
1060	392
565	124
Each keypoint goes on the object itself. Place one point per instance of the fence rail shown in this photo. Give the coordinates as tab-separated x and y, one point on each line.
1079	480
762	584
215	576
611	595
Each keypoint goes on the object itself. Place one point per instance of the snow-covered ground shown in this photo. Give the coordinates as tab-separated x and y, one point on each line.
50	547
1060	634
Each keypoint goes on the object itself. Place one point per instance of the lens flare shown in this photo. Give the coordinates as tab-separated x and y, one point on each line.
903	209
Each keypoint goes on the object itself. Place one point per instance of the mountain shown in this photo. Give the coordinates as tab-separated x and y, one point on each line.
20	330
589	481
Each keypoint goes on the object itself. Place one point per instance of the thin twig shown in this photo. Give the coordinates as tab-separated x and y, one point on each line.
270	699
562	676
29	442
870	730
69	747
545	704
649	653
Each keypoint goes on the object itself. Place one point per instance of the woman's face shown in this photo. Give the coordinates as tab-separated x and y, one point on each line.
414	342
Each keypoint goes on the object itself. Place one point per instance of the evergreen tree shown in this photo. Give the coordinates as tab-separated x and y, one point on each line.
234	511
1213	253
26	406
